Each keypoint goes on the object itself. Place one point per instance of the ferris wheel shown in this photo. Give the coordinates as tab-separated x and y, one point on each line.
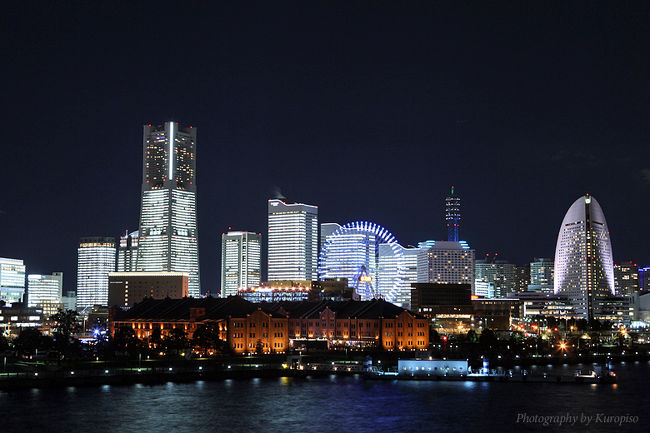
352	251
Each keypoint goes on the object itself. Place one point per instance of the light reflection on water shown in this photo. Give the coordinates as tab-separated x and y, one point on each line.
319	404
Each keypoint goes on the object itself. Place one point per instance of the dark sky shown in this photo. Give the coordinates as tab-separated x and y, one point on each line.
369	110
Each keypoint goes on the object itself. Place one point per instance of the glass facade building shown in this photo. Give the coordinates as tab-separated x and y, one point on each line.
541	275
168	234
127	252
499	274
44	289
12	280
292	241
584	267
241	261
95	259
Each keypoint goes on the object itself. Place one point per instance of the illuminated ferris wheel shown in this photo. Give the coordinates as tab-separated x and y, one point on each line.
352	251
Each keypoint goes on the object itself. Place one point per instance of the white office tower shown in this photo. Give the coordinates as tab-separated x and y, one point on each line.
44	289
12	280
584	266
95	259
241	261
541	275
446	262
389	263
168	236
293	241
127	252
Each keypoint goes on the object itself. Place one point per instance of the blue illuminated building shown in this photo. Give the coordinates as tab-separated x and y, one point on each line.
644	276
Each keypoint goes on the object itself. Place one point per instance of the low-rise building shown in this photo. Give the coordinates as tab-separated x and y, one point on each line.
274	294
545	304
245	326
453	309
617	309
125	289
359	324
17	316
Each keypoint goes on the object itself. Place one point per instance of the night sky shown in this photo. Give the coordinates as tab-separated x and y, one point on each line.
369	110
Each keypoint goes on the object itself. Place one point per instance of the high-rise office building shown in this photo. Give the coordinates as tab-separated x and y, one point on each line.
452	216
499	273
168	236
95	259
292	241
43	289
445	262
388	272
522	277
12	280
127	252
584	267
626	278
241	261
541	275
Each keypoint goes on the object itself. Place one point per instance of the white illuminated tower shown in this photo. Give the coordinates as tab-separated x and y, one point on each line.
293	241
241	261
584	266
95	259
168	236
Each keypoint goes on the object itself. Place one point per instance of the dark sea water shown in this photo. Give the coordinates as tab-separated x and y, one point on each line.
334	404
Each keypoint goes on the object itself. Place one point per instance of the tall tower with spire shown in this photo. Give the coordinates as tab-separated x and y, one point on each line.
452	216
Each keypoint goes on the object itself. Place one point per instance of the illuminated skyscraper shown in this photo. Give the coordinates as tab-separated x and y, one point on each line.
626	278
445	262
42	289
95	259
127	252
584	268
12	280
500	274
168	236
541	275
241	261
452	216
293	241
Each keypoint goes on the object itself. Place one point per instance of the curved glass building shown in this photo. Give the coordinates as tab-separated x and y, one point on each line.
584	265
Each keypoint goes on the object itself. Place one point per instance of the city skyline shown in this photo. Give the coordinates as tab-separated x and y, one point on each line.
477	108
